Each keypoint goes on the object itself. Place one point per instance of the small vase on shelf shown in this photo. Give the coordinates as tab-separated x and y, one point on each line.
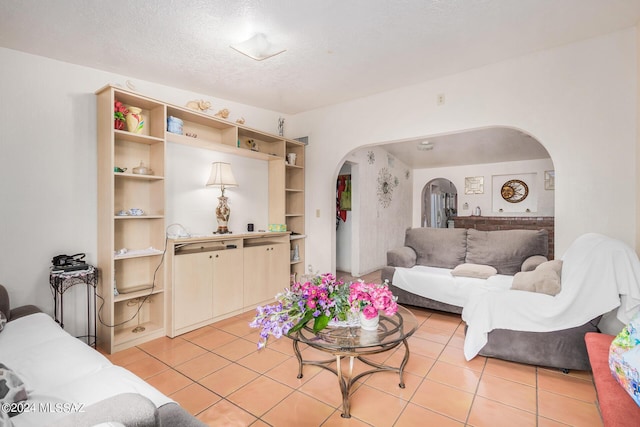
369	324
135	121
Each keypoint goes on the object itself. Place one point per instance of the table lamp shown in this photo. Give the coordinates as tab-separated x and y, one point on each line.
222	177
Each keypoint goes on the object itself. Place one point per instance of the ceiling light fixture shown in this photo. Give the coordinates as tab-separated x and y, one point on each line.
425	146
257	47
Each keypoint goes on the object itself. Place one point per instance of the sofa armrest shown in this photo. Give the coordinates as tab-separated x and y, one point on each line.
22	311
130	409
532	262
401	257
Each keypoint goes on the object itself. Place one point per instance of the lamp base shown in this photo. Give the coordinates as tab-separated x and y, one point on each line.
222	215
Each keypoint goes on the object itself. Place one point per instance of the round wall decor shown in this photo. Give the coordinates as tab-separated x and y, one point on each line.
514	191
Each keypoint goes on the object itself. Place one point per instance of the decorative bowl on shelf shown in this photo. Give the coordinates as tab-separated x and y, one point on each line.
142	170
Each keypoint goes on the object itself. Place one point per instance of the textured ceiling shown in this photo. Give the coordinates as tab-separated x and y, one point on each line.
493	145
336	50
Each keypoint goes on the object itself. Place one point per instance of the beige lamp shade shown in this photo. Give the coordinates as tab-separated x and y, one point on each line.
221	176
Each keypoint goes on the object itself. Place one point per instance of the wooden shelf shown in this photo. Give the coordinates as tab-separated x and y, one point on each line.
122	191
119	191
218	146
123	135
136	217
126	296
137	176
143	255
125	337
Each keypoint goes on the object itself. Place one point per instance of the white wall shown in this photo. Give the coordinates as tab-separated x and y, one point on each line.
48	198
377	227
193	205
578	100
543	199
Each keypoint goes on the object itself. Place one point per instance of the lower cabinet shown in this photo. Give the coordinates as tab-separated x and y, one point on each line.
214	278
206	285
266	271
193	289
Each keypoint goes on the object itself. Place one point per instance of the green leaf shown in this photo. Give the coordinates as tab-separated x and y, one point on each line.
301	323
320	323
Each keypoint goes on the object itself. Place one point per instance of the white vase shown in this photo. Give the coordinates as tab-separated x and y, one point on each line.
369	324
135	121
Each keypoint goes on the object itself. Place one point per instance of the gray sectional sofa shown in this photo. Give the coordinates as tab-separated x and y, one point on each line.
508	251
435	251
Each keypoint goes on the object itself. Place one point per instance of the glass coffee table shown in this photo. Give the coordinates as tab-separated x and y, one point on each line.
356	343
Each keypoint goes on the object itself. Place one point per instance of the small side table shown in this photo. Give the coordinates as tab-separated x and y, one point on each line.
60	281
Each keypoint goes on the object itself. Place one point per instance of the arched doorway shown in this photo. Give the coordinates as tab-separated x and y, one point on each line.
439	203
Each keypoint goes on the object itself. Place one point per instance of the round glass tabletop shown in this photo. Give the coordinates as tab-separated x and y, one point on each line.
392	330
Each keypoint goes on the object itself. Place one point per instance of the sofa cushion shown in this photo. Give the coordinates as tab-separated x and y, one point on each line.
474	270
12	390
624	358
533	262
616	406
505	250
3	321
545	279
438	247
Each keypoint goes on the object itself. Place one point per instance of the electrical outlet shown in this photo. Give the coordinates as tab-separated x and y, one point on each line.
440	99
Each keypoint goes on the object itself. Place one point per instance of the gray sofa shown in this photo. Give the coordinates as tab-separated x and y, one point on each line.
508	251
27	328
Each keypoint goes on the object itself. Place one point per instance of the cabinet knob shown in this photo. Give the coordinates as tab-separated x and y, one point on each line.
217	255
210	257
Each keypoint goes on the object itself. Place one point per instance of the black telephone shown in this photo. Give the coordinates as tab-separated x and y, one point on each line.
69	262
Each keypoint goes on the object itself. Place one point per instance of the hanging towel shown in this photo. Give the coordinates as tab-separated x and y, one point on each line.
345	197
341	185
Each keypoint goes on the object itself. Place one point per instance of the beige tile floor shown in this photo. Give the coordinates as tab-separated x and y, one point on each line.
217	374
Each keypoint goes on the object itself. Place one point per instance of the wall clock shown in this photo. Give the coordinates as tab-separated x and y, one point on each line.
514	191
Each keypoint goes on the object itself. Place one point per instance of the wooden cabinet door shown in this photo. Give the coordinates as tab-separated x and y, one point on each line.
193	290
256	275
278	268
228	277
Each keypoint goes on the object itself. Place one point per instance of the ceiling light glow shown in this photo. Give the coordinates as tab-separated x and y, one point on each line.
257	47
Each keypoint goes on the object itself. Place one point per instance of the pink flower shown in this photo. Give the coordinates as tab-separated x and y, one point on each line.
369	312
372	297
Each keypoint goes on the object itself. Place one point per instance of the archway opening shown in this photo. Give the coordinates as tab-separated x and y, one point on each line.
439	203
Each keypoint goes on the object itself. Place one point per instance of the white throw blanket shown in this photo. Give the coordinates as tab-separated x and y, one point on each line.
438	284
596	271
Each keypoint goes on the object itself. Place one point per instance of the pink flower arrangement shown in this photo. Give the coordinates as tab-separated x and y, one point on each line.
317	299
369	298
119	113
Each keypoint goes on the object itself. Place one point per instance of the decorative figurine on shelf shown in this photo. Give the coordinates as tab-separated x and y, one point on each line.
199	105
119	115
253	145
281	126
240	121
224	113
